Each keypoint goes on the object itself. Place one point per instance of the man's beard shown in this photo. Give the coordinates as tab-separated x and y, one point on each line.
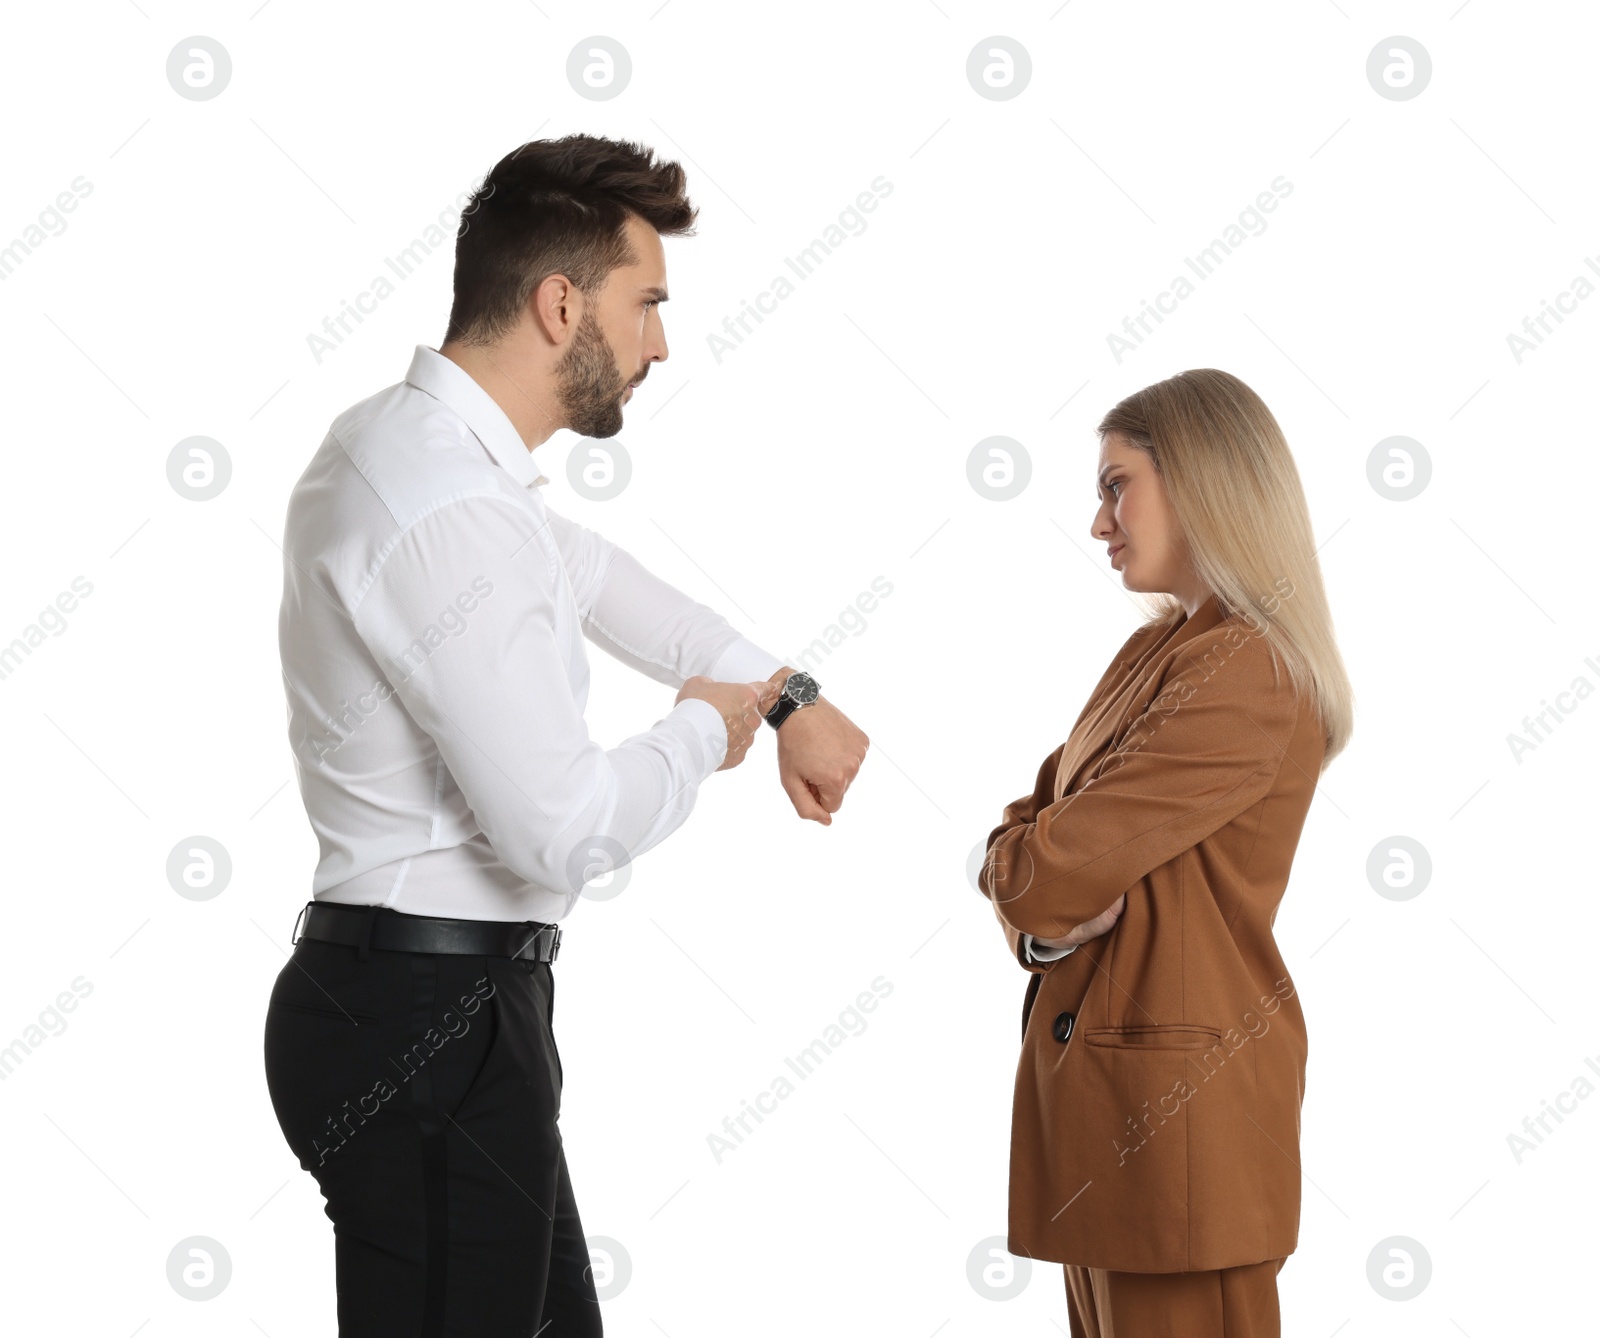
588	385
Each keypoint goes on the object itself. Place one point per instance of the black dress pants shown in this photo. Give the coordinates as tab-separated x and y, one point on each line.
422	1091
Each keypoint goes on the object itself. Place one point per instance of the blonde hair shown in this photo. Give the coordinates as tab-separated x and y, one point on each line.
1233	485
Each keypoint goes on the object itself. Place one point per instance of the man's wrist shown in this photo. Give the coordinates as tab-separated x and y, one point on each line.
787	706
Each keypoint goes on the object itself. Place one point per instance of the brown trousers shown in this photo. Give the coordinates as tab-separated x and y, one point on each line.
1237	1302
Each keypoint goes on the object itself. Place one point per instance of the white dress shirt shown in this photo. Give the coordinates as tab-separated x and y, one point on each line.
432	638
1039	954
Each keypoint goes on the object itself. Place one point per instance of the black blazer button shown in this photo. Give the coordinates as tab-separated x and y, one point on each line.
1063	1027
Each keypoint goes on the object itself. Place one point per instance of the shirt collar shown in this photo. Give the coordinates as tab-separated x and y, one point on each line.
450	383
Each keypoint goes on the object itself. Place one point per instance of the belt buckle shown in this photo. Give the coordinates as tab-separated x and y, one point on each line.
522	954
296	933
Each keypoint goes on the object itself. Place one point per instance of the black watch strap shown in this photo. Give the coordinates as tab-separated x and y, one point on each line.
781	712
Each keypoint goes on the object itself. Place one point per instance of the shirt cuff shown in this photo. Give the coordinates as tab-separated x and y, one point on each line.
702	724
1036	953
742	661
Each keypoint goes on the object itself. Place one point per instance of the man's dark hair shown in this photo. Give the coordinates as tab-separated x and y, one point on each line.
556	206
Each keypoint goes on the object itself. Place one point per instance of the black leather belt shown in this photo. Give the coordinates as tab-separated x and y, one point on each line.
395	931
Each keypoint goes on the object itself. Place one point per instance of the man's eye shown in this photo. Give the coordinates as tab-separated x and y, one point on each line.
653	302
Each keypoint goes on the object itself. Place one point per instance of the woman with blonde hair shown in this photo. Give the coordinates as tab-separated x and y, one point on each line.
1156	1116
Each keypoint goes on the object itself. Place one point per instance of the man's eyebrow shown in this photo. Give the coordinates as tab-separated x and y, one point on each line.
656	294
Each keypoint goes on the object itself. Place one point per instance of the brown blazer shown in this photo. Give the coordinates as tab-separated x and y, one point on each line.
1156	1116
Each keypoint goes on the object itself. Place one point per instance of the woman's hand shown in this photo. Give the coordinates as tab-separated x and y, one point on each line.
1089	929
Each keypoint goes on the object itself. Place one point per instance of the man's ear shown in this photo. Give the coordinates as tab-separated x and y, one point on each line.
556	306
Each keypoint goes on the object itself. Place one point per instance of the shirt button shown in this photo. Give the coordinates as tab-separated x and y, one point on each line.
1063	1027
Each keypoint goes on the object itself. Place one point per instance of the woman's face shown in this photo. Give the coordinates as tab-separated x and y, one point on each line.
1137	524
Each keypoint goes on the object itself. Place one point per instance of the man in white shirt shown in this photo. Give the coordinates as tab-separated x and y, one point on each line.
432	638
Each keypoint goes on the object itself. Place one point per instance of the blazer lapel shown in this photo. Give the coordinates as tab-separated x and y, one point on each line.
1129	692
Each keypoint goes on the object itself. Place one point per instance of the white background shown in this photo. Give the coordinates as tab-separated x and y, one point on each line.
829	449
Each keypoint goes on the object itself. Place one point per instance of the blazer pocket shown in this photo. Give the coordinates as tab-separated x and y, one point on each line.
1162	1036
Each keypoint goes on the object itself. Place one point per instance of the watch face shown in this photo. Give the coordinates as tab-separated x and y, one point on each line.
801	688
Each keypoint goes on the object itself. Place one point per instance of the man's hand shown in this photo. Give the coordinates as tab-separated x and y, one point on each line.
1080	934
820	750
742	705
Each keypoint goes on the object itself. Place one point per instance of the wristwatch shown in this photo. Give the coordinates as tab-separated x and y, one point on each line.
799	689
